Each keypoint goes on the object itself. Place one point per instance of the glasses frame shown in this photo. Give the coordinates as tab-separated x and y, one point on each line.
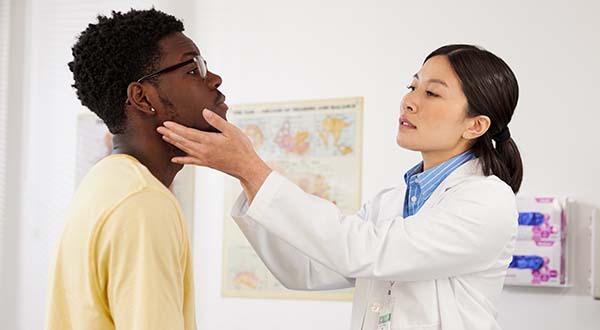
199	60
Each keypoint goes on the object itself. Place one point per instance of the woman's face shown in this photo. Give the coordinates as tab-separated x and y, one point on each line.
433	113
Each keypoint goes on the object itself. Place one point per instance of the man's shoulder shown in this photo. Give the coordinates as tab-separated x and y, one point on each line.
149	211
121	170
118	181
149	200
116	177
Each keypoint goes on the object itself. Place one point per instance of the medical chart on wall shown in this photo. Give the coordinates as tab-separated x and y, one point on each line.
316	144
94	142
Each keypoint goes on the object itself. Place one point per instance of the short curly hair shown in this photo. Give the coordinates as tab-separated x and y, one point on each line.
111	54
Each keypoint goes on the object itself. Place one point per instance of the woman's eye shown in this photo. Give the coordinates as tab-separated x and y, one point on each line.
410	87
431	93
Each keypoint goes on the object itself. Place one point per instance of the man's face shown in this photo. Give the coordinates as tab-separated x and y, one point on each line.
183	92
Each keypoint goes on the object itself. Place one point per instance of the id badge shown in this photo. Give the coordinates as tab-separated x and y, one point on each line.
384	322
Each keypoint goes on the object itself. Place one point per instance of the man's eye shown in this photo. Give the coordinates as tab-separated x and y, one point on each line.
193	71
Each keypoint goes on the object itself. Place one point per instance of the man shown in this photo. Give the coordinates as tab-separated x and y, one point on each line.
123	260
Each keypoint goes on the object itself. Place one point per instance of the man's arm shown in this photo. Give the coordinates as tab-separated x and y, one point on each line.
142	254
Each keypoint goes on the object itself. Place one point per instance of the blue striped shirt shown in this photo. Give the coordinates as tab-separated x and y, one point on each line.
420	185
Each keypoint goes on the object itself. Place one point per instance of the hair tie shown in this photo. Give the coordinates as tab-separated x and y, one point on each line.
502	136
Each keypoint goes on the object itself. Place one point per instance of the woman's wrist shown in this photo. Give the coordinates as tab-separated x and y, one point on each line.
253	176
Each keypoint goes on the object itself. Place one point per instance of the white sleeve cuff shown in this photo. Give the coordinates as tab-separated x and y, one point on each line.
242	210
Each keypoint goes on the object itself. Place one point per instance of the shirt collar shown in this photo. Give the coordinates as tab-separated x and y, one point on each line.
422	176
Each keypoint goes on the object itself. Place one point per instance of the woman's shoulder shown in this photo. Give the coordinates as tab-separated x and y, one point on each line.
470	176
484	196
487	193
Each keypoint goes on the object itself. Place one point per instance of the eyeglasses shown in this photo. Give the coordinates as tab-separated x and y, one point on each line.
200	62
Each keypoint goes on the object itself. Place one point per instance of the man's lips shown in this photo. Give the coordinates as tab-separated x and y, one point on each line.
220	103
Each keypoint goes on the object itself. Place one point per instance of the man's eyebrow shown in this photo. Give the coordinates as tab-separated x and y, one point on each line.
439	81
190	53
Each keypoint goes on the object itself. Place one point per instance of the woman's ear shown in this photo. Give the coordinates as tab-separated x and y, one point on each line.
477	126
138	98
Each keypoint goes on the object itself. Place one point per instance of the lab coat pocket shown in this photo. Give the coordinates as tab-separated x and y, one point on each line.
415	306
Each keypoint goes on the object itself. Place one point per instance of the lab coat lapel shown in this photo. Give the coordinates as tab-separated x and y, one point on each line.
465	171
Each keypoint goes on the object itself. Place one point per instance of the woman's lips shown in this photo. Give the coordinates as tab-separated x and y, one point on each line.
405	124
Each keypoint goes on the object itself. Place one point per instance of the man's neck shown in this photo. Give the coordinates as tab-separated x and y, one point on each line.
152	152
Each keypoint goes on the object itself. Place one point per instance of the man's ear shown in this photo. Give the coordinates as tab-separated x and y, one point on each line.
477	126
138	98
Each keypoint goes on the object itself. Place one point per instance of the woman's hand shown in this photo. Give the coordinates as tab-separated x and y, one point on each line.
230	151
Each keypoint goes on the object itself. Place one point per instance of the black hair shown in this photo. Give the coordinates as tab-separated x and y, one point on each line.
114	52
492	90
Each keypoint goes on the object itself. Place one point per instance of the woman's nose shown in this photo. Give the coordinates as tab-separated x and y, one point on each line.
408	104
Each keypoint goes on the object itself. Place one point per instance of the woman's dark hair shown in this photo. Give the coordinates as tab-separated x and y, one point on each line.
112	53
492	90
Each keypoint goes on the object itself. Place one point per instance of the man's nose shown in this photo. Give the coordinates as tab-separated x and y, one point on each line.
213	80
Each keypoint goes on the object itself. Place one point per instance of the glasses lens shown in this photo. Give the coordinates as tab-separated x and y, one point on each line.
202	66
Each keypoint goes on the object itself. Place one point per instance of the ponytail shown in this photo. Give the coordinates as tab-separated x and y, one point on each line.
503	160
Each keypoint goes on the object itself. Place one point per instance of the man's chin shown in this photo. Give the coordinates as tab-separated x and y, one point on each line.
209	128
212	130
206	128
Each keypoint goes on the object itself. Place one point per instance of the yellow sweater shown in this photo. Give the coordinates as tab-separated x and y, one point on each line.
123	260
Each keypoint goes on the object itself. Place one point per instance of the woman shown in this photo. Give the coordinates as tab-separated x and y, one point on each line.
429	255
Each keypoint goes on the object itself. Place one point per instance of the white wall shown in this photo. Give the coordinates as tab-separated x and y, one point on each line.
267	50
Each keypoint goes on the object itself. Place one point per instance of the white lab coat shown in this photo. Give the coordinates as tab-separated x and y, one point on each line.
447	262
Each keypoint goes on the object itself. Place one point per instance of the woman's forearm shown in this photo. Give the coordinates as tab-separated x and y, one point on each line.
252	176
